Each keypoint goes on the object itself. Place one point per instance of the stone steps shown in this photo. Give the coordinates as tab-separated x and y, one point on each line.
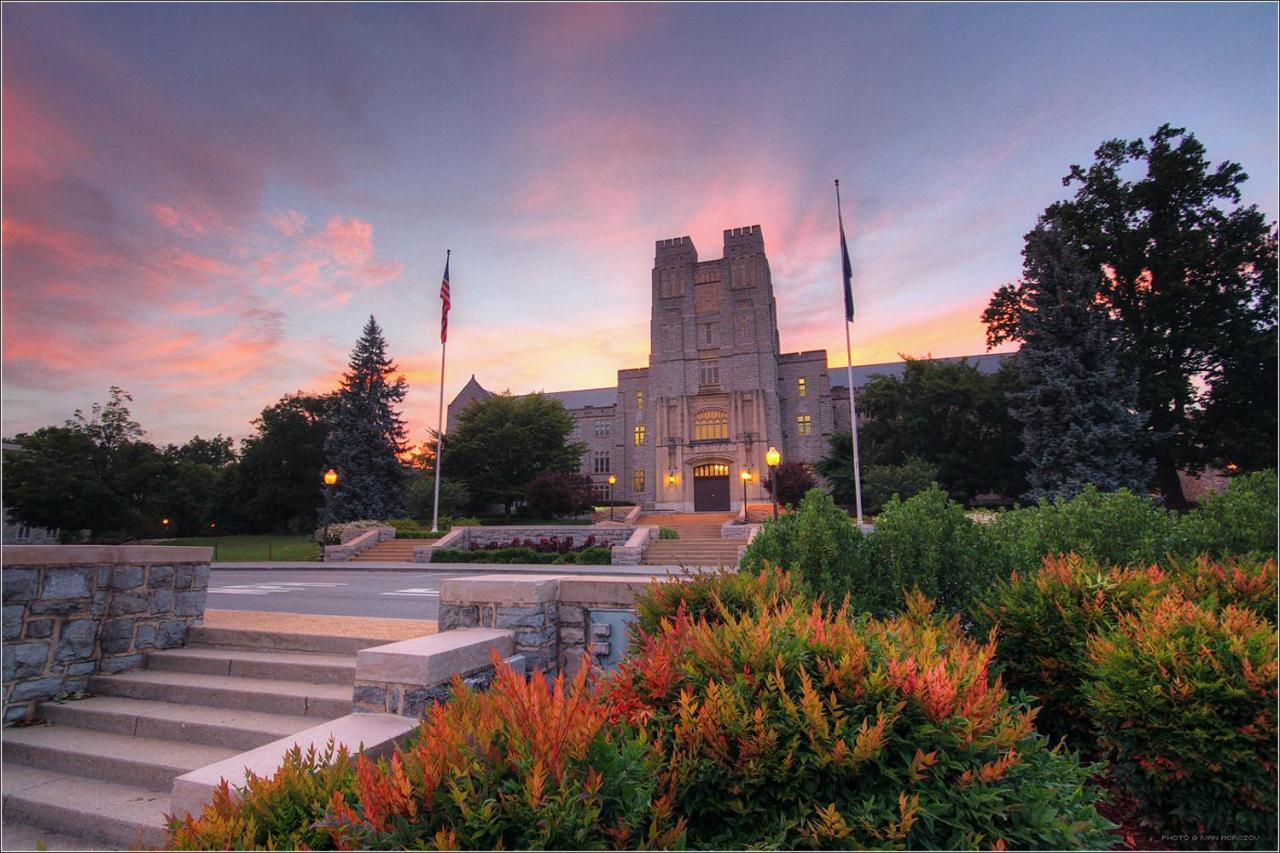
201	636
290	666
100	776
146	718
101	813
137	761
298	698
391	551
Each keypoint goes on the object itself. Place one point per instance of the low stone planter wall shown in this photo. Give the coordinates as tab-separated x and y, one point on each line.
355	541
736	530
554	617
631	552
606	535
72	611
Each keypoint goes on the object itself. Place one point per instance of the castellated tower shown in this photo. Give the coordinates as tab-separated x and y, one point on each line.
712	383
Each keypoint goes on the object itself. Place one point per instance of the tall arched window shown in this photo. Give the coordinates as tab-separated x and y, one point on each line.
711	425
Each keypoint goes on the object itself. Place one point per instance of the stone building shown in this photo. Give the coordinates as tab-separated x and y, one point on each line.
718	391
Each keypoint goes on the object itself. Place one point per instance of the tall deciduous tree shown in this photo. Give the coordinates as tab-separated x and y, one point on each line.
368	434
946	413
1193	286
501	443
276	487
1077	405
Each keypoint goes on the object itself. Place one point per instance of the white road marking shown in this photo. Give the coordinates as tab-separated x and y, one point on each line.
266	588
416	592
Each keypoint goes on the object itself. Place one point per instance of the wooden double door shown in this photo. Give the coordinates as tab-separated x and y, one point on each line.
711	488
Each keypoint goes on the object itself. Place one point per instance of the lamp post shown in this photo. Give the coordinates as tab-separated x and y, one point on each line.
771	458
612	480
746	478
330	480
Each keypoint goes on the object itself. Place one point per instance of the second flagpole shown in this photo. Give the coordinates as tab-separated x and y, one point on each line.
848	348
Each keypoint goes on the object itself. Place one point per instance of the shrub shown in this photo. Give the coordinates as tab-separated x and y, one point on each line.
553	493
794	480
420	497
825	551
803	728
1185	701
668	533
713	596
1044	620
593	556
1240	520
881	482
1114	528
524	766
928	543
279	813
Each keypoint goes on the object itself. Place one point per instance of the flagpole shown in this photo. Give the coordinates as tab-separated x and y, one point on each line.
848	348
439	461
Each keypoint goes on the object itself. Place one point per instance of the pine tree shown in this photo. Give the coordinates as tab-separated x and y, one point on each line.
368	434
1077	407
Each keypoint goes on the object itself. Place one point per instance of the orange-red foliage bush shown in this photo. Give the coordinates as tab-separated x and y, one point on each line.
800	727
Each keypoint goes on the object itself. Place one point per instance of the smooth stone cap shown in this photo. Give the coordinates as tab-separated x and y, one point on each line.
431	660
80	555
501	589
376	733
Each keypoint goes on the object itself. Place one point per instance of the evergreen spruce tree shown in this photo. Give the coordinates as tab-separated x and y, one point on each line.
368	434
1077	407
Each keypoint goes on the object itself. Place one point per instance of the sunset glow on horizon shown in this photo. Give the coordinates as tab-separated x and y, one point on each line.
203	204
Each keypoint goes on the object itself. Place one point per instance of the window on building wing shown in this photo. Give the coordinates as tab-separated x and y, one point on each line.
637	480
639	434
602	463
802	386
804	424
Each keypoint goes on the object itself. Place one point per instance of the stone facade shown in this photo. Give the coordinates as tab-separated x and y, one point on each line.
75	611
718	391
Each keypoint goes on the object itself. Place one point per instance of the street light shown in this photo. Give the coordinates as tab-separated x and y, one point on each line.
746	478
612	480
771	458
330	480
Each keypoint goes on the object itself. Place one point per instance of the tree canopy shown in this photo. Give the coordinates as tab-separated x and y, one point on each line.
1190	277
948	414
501	443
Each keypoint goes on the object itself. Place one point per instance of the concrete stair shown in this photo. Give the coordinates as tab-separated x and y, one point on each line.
99	774
391	551
699	543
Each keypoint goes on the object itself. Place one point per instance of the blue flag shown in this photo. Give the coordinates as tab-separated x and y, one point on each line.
848	267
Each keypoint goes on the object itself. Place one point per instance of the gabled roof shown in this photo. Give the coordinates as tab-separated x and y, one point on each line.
838	377
586	397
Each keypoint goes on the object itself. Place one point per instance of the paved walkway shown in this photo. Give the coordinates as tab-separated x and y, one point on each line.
453	568
305	623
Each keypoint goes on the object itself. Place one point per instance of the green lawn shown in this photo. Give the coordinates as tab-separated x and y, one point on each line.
239	549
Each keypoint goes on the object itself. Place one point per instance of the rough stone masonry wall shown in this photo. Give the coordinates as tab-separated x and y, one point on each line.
533	624
74	611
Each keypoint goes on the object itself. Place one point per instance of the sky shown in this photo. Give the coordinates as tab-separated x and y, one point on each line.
203	204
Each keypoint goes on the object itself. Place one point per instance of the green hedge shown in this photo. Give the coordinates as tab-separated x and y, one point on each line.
585	557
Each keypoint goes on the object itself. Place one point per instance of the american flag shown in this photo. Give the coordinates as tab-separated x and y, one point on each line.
444	299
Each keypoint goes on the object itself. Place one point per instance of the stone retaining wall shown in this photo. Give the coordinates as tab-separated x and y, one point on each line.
72	611
549	614
357	540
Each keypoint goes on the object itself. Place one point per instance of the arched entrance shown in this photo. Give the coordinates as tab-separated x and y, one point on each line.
711	487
